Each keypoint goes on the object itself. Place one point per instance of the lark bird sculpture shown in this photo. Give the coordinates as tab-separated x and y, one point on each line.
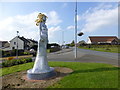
41	69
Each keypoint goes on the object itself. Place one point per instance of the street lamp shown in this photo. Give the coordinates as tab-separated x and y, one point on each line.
80	34
17	46
62	38
76	31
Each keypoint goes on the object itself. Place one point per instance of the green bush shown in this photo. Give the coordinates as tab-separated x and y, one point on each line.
26	53
48	50
13	62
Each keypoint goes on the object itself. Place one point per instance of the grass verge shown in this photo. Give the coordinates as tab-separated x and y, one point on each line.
112	50
85	75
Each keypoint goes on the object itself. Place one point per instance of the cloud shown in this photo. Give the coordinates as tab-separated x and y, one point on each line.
99	18
53	18
70	27
52	31
103	6
25	24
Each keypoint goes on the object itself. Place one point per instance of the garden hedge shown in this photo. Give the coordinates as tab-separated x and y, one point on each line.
13	62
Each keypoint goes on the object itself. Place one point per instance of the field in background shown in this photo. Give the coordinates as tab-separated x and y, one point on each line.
104	48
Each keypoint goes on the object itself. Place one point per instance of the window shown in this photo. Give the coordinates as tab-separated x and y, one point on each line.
14	43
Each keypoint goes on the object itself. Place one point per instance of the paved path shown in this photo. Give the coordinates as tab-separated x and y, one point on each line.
84	56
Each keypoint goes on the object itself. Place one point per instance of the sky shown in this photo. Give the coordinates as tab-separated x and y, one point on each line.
93	19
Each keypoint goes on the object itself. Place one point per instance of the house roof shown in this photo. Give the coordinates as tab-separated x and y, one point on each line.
21	38
4	41
102	38
24	39
32	40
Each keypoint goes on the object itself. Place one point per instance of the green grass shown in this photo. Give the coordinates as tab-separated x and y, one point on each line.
16	68
85	75
111	49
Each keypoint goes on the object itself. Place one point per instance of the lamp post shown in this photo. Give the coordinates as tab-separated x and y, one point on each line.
17	46
80	34
63	38
76	31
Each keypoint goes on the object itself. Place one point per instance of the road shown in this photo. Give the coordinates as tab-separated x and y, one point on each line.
84	55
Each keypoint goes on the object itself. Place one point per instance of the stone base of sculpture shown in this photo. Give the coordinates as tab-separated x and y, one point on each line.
41	75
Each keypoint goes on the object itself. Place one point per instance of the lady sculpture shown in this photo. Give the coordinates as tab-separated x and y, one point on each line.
41	70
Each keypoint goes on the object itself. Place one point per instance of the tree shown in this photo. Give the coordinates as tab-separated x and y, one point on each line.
72	43
82	42
52	44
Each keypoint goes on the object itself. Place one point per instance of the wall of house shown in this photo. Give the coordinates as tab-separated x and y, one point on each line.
108	42
6	49
31	43
0	44
114	42
89	41
13	43
4	44
7	45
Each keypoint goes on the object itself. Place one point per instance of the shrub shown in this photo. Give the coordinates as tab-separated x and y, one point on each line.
13	62
55	49
48	50
108	49
10	58
26	53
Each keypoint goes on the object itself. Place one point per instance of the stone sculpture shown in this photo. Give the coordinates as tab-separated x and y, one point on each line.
41	69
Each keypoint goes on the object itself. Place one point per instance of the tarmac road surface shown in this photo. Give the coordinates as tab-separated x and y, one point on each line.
84	55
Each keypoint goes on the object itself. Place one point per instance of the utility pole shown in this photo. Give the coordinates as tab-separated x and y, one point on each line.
63	38
17	46
76	31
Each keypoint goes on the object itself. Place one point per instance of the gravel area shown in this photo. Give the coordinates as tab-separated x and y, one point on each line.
19	79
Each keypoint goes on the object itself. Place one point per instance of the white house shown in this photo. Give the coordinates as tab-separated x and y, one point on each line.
4	44
32	42
102	40
22	43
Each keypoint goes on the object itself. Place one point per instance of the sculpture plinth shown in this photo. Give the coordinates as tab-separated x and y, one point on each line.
41	70
41	75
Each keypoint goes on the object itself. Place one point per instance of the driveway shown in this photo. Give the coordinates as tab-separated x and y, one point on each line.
84	55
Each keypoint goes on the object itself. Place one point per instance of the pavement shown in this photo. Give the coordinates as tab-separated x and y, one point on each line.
83	55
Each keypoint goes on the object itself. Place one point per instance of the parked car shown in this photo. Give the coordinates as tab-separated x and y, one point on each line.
65	47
